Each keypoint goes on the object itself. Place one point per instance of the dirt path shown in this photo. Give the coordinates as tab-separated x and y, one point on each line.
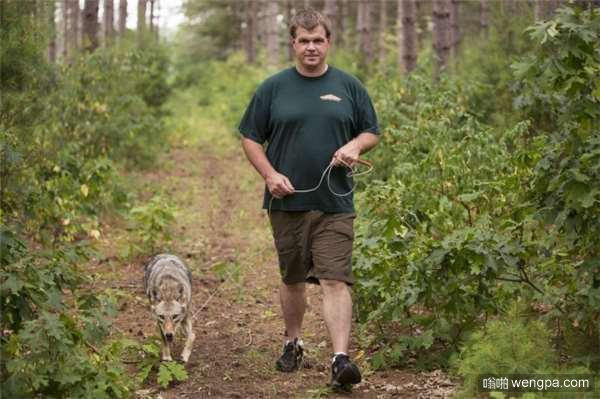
224	238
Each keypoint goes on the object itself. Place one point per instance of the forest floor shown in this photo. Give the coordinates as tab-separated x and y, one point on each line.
224	238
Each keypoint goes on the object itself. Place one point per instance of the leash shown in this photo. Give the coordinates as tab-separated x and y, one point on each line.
327	172
215	291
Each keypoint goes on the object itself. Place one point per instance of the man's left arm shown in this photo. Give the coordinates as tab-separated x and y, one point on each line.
351	151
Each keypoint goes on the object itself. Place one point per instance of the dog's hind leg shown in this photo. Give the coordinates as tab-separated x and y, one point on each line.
189	342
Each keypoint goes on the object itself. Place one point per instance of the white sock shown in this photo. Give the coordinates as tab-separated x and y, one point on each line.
336	354
299	342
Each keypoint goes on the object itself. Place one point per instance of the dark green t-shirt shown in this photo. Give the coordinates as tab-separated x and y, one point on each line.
305	120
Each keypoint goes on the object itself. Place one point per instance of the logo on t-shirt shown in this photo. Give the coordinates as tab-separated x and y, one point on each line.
331	97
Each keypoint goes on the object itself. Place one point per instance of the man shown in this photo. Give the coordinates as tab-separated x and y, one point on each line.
311	115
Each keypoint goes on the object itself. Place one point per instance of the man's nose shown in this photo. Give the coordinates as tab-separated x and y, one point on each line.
311	45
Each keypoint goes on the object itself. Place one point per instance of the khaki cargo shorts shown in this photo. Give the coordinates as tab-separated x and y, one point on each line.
314	245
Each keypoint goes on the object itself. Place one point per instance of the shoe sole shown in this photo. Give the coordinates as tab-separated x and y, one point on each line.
341	388
283	369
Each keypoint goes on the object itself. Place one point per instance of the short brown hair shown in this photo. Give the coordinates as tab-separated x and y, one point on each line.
309	19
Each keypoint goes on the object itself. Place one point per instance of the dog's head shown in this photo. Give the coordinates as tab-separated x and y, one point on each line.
169	306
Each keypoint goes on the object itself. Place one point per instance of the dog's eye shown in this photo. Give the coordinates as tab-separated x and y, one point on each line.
161	317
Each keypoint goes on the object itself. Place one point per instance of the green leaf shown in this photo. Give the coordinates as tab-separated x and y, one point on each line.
470	197
164	375
13	283
552	31
378	360
144	372
178	371
151	349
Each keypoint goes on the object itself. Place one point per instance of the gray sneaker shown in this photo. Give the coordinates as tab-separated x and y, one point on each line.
291	359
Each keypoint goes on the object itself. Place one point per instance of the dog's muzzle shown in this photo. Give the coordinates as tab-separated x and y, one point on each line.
169	337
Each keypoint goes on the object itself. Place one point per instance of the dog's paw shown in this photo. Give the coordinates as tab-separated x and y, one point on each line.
185	356
166	359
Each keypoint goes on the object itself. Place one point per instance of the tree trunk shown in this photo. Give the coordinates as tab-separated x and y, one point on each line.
250	31
484	9
422	22
441	34
157	20
341	22
289	7
122	17
510	10
272	33
75	26
382	31
407	34
330	12
538	10
543	9
454	27
151	21
109	29
141	20
52	30
363	22
65	8
70	28
90	25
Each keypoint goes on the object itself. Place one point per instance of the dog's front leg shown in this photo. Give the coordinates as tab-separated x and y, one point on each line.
166	349
189	342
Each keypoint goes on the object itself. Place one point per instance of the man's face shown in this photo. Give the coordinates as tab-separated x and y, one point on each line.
311	47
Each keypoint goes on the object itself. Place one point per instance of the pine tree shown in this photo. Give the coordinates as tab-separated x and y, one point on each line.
90	24
407	34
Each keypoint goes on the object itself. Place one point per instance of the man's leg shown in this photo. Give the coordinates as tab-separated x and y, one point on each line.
337	312
293	305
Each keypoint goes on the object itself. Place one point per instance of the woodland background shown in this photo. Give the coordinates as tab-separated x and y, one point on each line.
477	245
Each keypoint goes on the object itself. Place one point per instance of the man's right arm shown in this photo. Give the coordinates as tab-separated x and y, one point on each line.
278	185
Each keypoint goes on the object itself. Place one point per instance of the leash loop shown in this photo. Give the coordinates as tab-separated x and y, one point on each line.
327	173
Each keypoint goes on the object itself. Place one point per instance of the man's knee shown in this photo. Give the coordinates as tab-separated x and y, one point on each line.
333	286
294	289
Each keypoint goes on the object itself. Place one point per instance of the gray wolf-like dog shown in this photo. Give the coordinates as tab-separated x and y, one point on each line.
168	285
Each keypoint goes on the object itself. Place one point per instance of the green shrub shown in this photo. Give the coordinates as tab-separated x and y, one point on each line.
65	130
150	225
466	217
505	346
225	87
440	233
149	361
559	90
53	330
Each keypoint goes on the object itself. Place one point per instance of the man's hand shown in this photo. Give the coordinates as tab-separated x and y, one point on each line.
279	185
347	155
